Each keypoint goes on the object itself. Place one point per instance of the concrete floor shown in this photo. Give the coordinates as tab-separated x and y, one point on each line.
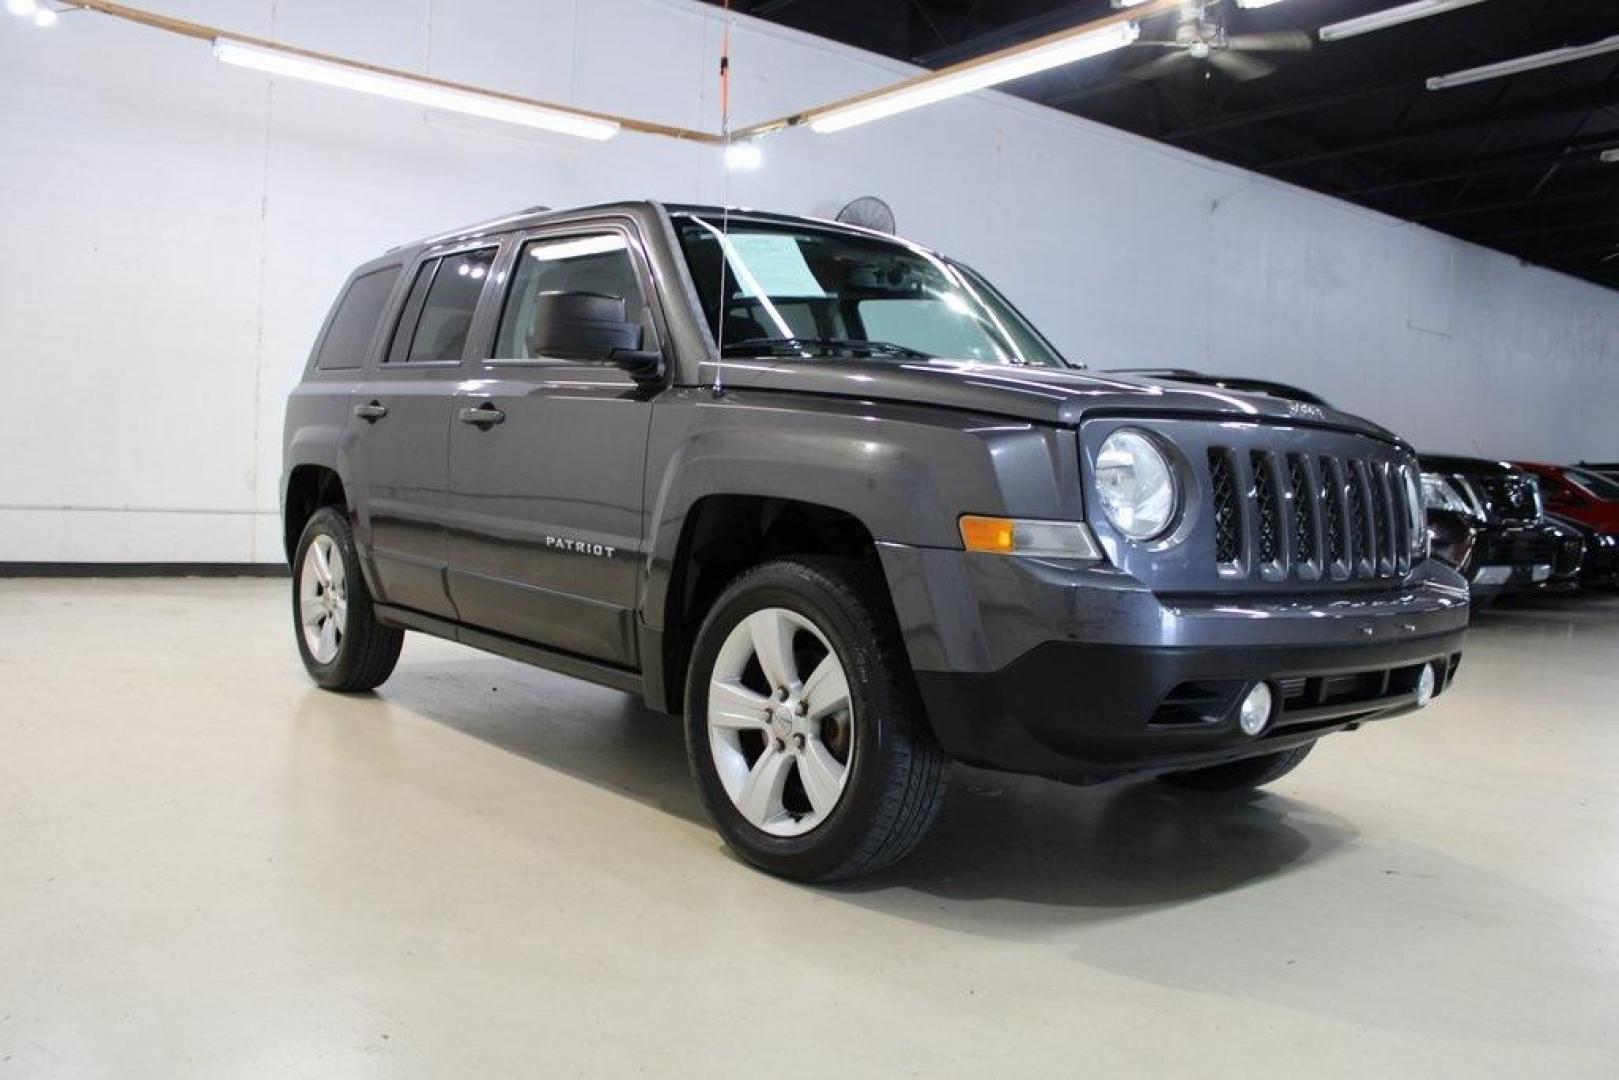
209	868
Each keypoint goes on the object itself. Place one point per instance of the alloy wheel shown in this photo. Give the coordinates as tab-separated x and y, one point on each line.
781	722
323	599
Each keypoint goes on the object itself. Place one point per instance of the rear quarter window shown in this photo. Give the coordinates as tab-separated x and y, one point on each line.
355	320
437	316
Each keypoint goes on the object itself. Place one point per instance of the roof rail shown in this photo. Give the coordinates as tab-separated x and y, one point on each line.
466	230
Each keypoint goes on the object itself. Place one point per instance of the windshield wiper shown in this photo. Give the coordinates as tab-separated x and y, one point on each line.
778	345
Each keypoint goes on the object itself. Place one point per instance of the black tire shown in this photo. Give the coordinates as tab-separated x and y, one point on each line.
897	772
1241	775
366	651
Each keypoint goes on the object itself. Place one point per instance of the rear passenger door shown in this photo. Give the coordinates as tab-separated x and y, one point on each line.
401	421
547	458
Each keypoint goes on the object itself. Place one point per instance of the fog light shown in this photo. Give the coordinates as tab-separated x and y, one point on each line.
1425	685
1255	715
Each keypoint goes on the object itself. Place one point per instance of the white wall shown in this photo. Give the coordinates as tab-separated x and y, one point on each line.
175	231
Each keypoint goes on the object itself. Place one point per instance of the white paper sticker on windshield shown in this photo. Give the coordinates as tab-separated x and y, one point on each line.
774	266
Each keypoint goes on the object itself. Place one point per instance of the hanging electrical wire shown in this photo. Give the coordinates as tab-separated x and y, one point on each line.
725	194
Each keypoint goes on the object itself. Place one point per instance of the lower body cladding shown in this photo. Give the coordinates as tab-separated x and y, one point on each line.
1082	674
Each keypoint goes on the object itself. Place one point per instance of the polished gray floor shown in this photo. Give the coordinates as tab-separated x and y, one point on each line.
209	868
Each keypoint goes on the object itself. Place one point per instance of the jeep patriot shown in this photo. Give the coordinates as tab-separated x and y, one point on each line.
828	496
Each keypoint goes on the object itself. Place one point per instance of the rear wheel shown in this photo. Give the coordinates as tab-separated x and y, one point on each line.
803	727
342	644
1238	775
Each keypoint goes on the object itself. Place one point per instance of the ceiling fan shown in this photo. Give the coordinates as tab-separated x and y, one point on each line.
1201	38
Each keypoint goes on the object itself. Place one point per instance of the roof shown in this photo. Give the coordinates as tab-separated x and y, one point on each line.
538	215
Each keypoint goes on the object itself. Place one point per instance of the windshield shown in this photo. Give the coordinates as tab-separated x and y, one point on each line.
800	292
1595	483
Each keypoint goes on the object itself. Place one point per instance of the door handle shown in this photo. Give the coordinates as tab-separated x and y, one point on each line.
371	413
484	416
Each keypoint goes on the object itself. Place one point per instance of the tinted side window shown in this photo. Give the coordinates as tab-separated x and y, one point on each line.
438	314
599	263
399	346
358	313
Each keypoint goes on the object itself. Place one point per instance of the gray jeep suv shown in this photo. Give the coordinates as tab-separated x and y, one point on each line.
831	497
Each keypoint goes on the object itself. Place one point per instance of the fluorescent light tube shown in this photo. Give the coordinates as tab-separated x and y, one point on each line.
1256	3
926	91
743	154
551	251
1394	16
1609	157
1567	54
332	73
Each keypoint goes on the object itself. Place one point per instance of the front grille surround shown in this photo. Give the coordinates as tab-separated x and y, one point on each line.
1272	508
1294	493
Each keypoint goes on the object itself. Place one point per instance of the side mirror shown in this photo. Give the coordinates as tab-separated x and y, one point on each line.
591	327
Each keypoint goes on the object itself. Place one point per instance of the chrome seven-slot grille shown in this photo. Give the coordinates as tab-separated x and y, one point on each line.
1309	517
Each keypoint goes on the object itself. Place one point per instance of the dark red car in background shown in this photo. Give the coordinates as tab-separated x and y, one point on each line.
1582	494
1587	500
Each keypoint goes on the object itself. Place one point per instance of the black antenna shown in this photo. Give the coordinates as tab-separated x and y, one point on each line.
725	199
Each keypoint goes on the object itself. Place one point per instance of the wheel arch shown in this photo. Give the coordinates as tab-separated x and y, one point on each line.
866	476
309	487
722	535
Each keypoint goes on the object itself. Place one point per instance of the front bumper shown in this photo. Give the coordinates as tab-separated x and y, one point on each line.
1498	578
1508	558
1083	674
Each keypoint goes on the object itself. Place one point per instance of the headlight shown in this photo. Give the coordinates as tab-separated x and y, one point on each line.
1136	485
1415	502
1442	493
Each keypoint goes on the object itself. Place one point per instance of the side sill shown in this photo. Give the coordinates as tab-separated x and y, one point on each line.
562	663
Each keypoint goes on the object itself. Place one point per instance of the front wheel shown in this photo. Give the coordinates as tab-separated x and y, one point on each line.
342	644
1241	775
804	729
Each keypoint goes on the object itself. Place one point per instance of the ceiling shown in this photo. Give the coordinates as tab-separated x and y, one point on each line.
1512	163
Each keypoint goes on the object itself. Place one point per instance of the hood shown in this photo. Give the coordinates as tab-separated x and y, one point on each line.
1467	466
1062	396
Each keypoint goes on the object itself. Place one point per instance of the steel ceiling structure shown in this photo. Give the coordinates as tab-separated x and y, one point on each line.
1514	163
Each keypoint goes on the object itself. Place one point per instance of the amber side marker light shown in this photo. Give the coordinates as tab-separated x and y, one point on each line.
1021	536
